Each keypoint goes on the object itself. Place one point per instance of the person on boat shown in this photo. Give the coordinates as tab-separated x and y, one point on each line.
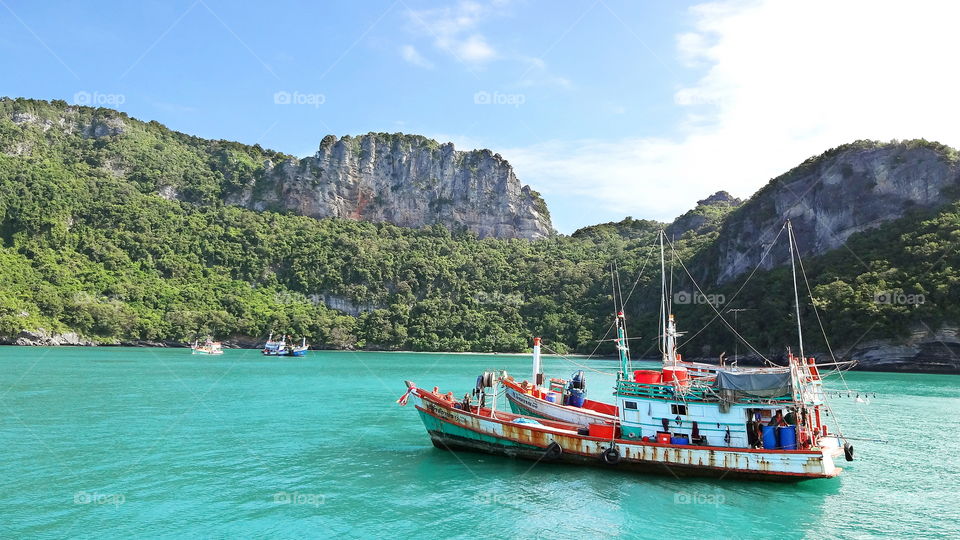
790	418
777	420
758	434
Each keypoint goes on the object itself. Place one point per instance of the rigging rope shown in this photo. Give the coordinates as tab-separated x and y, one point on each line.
736	294
839	370
732	329
614	322
555	353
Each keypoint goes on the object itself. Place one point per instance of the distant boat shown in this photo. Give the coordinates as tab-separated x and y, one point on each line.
300	350
209	347
274	348
282	348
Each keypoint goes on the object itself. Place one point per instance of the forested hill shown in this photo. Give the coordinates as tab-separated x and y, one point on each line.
406	180
121	237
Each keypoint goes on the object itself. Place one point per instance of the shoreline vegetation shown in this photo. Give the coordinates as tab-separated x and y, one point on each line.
114	230
916	368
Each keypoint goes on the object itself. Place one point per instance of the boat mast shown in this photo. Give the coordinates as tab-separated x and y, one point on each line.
796	294
663	301
537	370
622	346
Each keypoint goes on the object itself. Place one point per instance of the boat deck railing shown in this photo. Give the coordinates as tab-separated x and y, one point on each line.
690	392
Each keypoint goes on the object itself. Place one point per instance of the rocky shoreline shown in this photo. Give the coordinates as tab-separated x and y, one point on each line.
937	353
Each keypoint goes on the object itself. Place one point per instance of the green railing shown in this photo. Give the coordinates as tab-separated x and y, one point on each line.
691	393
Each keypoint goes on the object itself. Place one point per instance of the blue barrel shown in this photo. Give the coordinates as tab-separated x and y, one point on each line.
679	439
575	399
788	437
770	437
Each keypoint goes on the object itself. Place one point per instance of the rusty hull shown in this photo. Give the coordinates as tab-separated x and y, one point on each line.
477	431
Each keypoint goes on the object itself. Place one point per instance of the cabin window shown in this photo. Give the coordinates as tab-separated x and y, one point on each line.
676	408
630	405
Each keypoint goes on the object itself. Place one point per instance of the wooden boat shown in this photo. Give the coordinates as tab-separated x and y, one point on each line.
758	423
454	426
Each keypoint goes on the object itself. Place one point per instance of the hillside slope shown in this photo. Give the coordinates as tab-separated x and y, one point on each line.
406	180
118	231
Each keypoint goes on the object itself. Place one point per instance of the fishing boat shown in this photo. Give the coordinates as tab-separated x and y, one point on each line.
273	348
754	423
300	350
564	400
208	347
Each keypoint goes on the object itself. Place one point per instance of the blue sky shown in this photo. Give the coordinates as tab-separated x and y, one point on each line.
609	108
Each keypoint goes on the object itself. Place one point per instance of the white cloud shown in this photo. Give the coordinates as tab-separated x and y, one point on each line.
411	55
454	30
537	74
781	81
475	49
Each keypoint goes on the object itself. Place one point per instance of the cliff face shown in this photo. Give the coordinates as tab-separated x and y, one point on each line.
406	180
847	190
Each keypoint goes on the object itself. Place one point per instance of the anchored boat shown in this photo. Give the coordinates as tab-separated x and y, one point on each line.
756	423
208	347
273	348
300	350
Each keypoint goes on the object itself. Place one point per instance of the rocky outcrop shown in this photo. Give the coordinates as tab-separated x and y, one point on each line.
406	180
42	337
846	190
924	351
706	216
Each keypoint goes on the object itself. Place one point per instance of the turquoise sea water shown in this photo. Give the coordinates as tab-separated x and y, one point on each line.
122	442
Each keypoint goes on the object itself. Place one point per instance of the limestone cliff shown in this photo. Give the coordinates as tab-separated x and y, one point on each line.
828	198
406	180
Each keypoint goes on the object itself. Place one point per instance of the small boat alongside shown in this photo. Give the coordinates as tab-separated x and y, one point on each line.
209	347
300	350
563	401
